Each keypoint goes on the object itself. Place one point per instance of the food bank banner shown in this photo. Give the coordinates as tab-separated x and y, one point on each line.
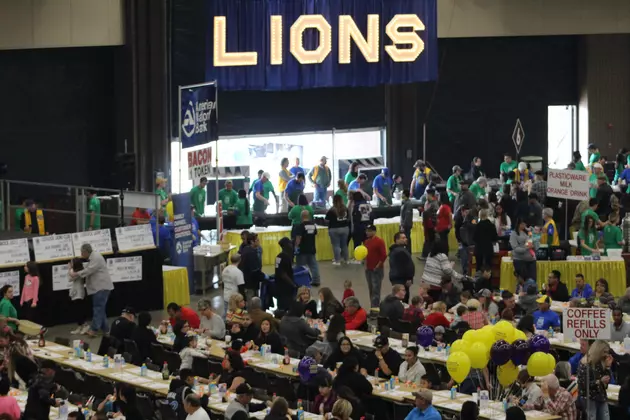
300	44
198	123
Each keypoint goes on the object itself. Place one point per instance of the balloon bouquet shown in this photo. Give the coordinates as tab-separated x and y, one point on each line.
506	346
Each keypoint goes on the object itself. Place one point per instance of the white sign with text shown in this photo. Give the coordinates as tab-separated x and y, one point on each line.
12	278
125	269
53	247
571	185
14	252
586	323
130	238
100	240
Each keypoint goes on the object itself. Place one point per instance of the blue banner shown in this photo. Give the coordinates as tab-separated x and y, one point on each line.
301	44
198	115
182	249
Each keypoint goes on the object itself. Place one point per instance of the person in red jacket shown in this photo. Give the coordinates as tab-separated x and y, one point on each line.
444	218
355	315
176	312
374	273
436	317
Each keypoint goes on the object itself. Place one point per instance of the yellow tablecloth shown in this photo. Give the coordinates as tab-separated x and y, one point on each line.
269	240
613	270
175	285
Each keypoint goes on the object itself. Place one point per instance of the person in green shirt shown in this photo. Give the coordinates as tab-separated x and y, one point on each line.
590	211
295	215
342	191
262	188
160	189
613	237
198	197
93	216
243	213
353	173
6	307
18	215
594	155
452	184
620	164
588	237
577	161
478	188
507	166
228	196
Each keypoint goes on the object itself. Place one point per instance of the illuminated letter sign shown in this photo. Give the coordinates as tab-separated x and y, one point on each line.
369	47
325	39
397	37
224	58
284	45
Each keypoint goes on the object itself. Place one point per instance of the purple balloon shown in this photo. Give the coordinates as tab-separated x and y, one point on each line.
501	352
307	368
424	336
520	352
539	343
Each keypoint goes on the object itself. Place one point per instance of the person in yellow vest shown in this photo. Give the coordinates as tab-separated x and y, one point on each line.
522	174
284	177
549	234
32	220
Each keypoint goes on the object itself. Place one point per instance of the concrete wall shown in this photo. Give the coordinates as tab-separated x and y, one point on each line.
26	24
485	18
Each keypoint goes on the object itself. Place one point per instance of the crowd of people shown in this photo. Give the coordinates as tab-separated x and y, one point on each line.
315	324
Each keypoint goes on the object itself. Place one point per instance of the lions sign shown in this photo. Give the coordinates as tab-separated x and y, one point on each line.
198	114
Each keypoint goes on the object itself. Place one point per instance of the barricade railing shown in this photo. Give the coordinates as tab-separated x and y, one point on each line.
65	207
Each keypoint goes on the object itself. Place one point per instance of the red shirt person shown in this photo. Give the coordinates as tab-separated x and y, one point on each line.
140	216
354	314
374	273
176	312
437	317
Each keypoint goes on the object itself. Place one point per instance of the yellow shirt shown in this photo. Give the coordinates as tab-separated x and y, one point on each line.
282	184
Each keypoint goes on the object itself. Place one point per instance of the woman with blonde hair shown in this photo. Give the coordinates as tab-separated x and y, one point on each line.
593	379
342	409
304	297
436	317
236	314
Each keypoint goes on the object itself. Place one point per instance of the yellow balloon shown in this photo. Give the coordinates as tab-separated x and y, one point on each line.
360	253
519	335
507	373
458	366
503	330
538	364
486	336
551	364
478	354
470	336
460	345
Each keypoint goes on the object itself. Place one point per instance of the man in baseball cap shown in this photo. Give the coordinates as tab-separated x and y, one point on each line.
262	188
243	402
544	317
424	410
124	325
386	360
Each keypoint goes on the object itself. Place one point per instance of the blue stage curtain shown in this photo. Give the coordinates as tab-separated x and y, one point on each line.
248	29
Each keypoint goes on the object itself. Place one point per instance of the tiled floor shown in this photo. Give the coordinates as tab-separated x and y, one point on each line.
331	276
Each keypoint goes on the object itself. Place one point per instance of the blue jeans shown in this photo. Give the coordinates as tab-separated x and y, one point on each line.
339	241
99	315
310	261
320	194
597	410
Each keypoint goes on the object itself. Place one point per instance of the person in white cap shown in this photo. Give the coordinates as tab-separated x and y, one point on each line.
321	177
262	188
598	170
522	174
